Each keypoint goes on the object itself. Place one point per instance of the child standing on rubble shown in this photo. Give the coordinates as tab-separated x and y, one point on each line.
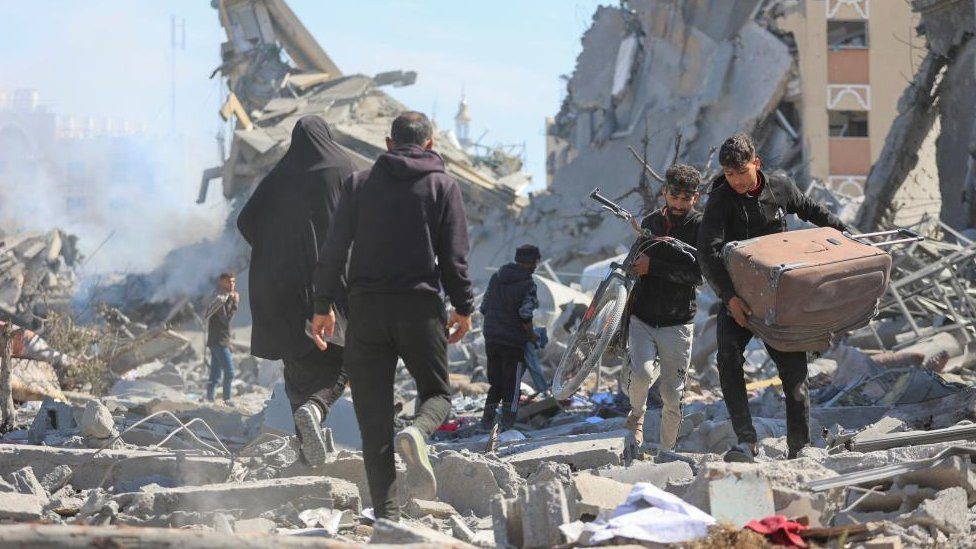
219	314
508	305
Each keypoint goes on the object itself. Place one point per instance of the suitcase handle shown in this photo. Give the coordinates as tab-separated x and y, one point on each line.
902	236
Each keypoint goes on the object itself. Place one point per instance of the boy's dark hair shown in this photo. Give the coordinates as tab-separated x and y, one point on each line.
737	151
226	276
411	128
683	177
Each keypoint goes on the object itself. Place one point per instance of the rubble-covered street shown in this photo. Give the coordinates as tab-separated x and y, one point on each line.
108	438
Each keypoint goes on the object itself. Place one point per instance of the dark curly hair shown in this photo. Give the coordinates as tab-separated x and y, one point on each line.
683	177
737	151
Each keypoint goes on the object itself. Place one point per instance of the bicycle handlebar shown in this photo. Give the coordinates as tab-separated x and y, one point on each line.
608	204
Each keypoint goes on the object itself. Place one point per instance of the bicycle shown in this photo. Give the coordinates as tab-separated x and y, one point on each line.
603	319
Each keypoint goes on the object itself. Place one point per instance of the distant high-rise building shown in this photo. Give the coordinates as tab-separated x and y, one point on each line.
855	59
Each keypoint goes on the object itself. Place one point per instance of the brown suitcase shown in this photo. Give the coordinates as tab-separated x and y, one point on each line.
806	286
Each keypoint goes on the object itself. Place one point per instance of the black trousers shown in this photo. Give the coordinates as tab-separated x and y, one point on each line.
318	377
381	328
792	368
503	366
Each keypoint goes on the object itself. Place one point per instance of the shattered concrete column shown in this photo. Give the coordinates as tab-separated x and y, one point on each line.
544	509
8	414
900	153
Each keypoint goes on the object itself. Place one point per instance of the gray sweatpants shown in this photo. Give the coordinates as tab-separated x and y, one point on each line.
672	345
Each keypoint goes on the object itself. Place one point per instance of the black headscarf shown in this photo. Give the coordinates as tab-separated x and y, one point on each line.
285	221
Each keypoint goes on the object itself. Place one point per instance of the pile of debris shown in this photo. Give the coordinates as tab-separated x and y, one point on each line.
36	273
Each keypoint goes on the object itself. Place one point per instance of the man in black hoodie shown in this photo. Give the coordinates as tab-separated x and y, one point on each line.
405	223
746	202
662	309
508	304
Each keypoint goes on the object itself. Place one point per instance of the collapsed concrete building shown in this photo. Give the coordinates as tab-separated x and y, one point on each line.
892	404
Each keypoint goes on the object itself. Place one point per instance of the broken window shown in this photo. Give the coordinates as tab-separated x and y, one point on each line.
847	34
848	123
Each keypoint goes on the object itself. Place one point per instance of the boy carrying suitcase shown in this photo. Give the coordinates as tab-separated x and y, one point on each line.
746	202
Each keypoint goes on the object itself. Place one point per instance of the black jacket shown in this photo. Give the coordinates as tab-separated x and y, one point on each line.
219	314
285	220
730	216
404	220
665	296
508	304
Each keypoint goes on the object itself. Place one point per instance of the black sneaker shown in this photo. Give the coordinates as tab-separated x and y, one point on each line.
743	452
308	420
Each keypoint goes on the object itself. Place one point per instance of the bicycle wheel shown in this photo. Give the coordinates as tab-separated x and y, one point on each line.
590	340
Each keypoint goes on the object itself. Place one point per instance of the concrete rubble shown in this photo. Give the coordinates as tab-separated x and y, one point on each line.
123	437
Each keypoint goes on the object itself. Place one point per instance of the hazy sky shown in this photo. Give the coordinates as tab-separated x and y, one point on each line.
112	58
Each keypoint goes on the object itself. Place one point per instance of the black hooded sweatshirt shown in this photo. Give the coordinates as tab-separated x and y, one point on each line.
665	296
730	216
404	220
285	221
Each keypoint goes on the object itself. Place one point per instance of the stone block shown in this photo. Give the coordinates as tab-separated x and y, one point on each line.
658	474
544	509
579	452
97	422
89	471
20	507
506	522
740	498
419	508
25	482
56	478
887	542
460	530
398	533
250	499
257	525
468	481
53	416
592	494
948	512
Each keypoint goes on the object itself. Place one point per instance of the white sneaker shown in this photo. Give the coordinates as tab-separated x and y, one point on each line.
308	421
420	480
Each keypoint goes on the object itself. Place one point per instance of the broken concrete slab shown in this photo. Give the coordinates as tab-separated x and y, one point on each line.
740	498
20	507
97	423
506	522
948	511
460	530
658	474
257	525
469	481
249	498
346	464
418	508
590	495
56	478
25	482
399	533
544	509
89	470
157	344
53	416
581	452
48	536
